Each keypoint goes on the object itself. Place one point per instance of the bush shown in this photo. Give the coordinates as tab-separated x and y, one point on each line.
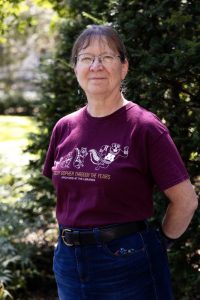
17	105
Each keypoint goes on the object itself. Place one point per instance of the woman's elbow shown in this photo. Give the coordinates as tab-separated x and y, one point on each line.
194	203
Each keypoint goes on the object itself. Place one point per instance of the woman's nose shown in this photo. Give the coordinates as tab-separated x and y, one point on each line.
96	64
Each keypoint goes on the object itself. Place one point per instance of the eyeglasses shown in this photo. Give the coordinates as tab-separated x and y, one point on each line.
88	59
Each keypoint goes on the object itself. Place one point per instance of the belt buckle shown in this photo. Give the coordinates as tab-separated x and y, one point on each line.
63	237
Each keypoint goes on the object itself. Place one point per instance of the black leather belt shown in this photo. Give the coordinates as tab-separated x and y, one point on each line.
73	237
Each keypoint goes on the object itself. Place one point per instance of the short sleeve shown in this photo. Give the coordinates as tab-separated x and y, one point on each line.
49	160
166	165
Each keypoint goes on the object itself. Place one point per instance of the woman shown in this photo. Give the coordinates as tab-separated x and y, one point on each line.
104	160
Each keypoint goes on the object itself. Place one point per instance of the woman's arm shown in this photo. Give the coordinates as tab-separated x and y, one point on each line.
183	203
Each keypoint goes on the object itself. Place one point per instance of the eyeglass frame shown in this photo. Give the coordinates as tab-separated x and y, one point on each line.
100	60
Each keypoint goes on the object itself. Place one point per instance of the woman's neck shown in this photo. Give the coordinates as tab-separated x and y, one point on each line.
104	107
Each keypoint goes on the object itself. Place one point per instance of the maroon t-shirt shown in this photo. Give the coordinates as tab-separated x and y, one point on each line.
104	168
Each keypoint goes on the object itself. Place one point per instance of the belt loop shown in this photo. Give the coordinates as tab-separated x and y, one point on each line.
60	229
97	235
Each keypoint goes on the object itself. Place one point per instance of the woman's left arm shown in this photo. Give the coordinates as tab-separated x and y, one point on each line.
182	204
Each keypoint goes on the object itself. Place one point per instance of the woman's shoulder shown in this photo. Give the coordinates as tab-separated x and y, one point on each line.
144	116
70	118
147	123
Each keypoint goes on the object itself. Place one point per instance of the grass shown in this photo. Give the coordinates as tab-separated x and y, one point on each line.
15	128
14	132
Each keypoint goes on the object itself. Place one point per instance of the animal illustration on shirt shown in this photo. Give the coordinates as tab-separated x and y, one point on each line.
80	157
107	154
66	160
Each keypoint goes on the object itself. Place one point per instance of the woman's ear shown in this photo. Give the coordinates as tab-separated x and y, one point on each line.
125	66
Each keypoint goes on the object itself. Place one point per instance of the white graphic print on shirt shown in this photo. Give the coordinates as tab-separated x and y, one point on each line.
80	156
102	158
107	154
66	160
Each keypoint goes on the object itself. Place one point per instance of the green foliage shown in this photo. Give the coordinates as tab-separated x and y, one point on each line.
23	242
14	14
13	260
21	255
4	294
9	12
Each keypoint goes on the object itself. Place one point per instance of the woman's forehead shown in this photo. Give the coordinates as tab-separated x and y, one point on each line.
101	42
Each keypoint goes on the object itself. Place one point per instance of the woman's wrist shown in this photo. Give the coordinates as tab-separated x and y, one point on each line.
167	240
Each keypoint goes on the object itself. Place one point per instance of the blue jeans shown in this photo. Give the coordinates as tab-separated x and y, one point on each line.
134	267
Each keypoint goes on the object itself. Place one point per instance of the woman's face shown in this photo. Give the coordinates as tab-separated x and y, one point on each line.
100	77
